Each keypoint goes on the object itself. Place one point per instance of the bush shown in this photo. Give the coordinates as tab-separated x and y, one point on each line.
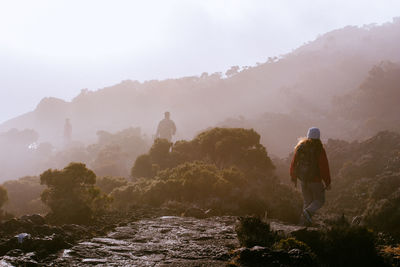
292	243
3	200
126	196
24	196
224	147
114	153
71	194
223	168
350	246
384	215
142	167
159	152
342	245
189	182
108	184
3	196
251	231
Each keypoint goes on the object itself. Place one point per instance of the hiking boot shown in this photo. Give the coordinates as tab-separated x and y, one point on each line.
307	218
303	222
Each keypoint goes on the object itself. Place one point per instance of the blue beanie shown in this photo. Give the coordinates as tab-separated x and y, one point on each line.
313	133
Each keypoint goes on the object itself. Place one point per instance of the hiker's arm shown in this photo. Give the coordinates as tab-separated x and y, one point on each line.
324	169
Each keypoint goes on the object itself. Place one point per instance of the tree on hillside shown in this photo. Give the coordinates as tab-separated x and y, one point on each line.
159	152
224	147
71	194
114	153
24	196
226	169
232	71
142	167
3	196
3	200
374	105
234	147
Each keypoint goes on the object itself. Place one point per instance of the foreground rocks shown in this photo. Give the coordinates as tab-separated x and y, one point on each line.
159	241
162	237
30	240
141	237
263	256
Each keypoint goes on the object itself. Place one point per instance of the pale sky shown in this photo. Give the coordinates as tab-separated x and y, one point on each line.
56	47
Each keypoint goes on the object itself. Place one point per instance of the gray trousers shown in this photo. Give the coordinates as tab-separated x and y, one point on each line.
313	195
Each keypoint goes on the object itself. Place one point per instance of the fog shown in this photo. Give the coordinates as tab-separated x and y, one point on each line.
277	68
56	49
180	132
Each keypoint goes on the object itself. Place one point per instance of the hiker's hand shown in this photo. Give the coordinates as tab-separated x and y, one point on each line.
294	181
328	187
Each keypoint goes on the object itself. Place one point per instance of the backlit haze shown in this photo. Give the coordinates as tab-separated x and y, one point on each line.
57	48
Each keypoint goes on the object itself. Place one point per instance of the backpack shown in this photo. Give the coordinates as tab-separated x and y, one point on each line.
307	167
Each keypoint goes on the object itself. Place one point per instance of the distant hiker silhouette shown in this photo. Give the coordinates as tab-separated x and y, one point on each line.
166	128
67	132
310	166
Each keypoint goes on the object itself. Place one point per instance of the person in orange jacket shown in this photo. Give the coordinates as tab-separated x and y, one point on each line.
310	166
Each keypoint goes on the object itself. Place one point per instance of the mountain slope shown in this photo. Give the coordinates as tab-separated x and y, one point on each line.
302	83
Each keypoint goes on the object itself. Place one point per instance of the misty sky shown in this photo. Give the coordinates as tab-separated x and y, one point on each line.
57	48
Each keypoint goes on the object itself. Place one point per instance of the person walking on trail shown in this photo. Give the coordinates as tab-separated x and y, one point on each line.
166	128
310	166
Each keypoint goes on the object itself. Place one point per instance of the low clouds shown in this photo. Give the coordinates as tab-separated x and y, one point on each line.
56	48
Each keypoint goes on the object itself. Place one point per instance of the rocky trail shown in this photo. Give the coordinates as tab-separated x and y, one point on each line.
158	241
162	241
141	238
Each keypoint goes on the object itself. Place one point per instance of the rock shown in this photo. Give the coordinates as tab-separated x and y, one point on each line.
74	230
45	230
15	253
34	219
195	213
8	245
301	258
17	257
285	229
212	212
45	246
11	226
22	237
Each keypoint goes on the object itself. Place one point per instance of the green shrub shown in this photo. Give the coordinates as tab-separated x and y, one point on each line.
223	147
108	184
291	243
24	196
159	153
71	194
143	167
342	245
251	231
3	196
222	168
384	215
189	182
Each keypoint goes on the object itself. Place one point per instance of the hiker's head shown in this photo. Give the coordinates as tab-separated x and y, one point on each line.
313	138
166	114
313	133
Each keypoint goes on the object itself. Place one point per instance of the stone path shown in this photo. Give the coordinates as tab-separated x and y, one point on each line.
162	241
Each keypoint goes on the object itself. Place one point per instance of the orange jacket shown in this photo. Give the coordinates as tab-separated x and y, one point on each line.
324	173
